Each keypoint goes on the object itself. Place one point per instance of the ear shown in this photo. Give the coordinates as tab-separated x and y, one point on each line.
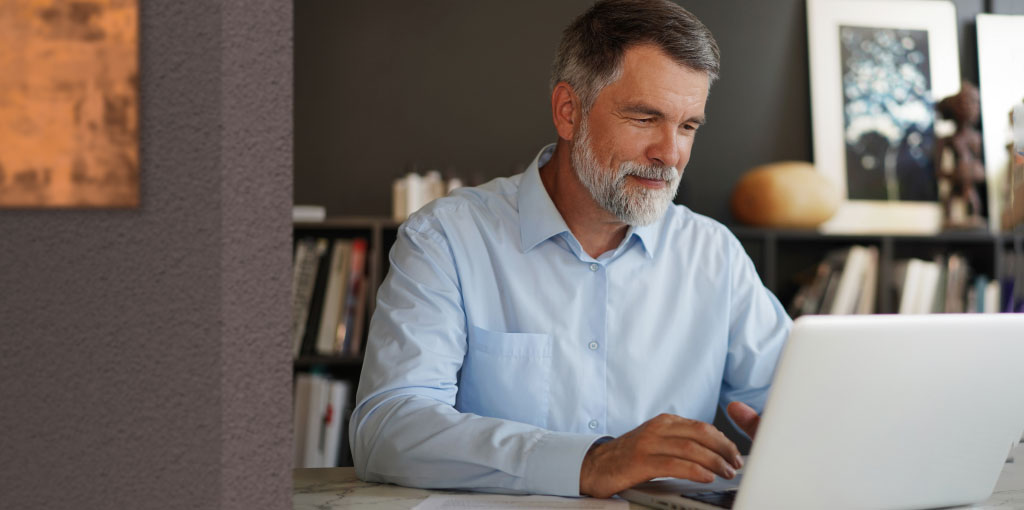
566	110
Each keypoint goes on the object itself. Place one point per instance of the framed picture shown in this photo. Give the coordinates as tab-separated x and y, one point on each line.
69	104
1001	73
877	69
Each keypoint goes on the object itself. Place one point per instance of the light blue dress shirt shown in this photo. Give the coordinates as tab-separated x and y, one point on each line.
500	350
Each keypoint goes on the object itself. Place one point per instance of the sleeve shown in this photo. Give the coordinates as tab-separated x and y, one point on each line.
758	328
405	428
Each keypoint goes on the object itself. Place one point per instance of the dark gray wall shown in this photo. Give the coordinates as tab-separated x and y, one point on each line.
461	85
144	353
966	11
1007	6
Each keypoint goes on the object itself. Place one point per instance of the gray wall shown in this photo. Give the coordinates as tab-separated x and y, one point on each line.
144	353
461	86
1007	6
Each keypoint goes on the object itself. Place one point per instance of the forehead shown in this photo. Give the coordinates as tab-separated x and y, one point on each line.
649	75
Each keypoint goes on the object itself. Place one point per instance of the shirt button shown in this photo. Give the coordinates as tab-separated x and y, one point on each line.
592	424
593	346
593	267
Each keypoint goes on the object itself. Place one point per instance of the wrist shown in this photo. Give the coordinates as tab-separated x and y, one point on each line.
588	465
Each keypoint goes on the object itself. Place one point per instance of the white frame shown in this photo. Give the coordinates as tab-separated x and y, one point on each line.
1001	69
824	17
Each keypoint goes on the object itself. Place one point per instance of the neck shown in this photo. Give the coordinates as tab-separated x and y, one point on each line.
597	230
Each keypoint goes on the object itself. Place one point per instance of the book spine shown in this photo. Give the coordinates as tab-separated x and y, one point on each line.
333	298
346	333
307	257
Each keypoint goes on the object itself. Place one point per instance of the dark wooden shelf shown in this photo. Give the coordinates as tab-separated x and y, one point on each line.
364	222
328	361
969	236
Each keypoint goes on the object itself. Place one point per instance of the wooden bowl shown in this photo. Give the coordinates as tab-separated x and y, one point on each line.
787	194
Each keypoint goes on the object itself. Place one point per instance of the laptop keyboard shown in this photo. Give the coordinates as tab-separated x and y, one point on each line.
722	499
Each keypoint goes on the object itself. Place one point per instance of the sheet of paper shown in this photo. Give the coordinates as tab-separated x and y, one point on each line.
504	502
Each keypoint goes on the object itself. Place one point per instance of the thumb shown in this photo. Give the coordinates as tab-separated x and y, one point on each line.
744	416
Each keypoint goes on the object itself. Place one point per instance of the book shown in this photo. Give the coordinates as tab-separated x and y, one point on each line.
334	421
357	272
851	281
354	347
976	295
316	433
992	297
316	305
912	298
957	276
868	298
1015	272
937	274
837	262
308	213
308	252
334	297
808	299
322	408
930	287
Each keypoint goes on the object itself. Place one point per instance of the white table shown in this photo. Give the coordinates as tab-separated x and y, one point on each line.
338	488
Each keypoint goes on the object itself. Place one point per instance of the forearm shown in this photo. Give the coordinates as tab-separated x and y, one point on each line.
417	441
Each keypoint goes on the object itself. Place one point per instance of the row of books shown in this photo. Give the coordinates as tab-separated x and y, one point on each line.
1011	282
329	295
944	285
320	421
846	282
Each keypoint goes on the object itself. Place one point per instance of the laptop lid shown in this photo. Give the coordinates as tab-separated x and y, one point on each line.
886	412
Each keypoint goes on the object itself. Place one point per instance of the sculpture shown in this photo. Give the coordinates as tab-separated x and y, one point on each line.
959	164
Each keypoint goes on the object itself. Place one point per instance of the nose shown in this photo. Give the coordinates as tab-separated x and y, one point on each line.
668	149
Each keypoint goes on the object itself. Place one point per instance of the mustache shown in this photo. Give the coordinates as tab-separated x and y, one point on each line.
654	172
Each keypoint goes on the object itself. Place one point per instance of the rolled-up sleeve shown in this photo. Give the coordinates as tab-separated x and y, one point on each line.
405	428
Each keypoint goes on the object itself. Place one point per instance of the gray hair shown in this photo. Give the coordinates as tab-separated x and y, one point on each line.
590	55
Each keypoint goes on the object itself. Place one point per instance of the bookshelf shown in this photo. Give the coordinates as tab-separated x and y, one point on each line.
379	234
779	255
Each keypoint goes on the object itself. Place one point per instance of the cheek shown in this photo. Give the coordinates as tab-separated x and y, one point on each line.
618	145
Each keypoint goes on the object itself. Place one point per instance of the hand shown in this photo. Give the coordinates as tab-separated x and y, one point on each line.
744	416
666	445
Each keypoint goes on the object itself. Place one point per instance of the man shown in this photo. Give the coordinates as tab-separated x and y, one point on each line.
565	331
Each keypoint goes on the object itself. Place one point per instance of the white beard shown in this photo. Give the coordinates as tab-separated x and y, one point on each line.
633	205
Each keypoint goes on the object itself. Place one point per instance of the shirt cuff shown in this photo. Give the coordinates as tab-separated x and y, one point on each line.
553	466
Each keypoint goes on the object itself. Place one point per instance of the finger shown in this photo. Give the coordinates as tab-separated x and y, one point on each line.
693	451
744	416
709	436
665	426
674	467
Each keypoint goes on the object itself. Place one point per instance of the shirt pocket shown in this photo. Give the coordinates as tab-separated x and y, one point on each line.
507	376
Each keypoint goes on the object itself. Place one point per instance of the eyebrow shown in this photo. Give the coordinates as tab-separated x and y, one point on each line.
644	109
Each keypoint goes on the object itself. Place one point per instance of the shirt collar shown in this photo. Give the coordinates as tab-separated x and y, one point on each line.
539	219
648	235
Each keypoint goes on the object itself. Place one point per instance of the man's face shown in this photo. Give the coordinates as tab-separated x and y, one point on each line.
631	150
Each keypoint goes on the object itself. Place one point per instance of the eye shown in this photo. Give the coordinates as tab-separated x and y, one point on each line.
643	120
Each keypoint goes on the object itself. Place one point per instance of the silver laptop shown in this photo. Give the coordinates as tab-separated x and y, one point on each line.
879	412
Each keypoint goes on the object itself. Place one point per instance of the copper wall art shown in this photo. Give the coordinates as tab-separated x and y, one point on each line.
69	104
